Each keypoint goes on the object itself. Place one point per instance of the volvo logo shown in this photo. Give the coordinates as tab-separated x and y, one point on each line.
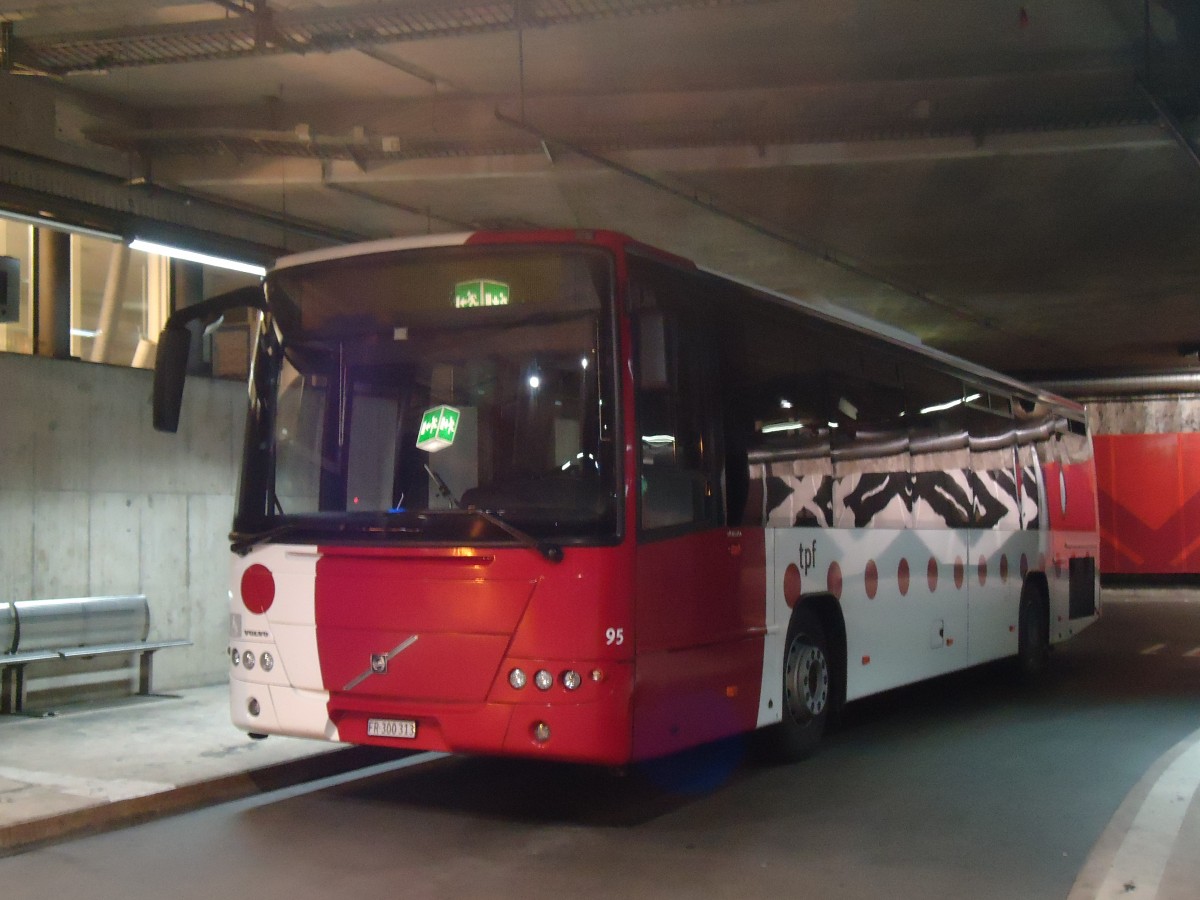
379	663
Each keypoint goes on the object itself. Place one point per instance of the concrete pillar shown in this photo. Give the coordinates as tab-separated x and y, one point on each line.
53	294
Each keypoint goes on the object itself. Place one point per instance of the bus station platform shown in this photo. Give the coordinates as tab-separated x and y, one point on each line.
96	767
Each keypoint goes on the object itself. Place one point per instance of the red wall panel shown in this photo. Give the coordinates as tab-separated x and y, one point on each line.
1149	495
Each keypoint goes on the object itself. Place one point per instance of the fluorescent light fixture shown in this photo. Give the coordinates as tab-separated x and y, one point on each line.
658	440
45	222
782	426
950	404
192	256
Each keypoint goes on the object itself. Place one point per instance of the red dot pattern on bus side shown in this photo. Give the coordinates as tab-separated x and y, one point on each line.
931	574
982	571
902	577
871	579
960	572
834	580
258	589
792	585
1004	568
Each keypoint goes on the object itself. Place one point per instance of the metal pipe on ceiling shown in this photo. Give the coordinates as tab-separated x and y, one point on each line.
1131	385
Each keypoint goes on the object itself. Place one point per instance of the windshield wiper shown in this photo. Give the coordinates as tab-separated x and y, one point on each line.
244	543
549	550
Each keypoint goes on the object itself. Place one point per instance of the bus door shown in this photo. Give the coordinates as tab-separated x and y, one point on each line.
699	593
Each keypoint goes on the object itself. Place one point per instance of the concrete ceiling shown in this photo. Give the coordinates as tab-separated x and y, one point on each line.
1014	182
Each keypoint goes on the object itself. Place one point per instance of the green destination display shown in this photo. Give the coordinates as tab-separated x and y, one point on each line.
481	292
439	425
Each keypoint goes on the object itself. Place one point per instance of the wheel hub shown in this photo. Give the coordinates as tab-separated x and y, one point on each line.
806	681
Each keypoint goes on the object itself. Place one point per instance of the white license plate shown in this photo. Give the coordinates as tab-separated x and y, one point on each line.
392	728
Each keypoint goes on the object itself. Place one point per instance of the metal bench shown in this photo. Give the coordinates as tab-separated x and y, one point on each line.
38	631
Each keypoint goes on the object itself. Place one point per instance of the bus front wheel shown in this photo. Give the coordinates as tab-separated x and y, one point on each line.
807	688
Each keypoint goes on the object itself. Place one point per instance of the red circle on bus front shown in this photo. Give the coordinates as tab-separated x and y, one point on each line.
931	573
960	572
258	589
834	580
902	577
982	571
792	585
1004	568
871	579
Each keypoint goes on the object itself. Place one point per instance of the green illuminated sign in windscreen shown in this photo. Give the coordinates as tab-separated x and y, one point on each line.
439	426
480	292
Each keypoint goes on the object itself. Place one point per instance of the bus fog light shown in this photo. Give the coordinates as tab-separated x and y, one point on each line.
267	661
571	680
248	660
518	679
544	680
235	656
541	732
253	706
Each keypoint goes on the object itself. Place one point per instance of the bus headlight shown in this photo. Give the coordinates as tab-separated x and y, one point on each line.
544	680
517	679
571	680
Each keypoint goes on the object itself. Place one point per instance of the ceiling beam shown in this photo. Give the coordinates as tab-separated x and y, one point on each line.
227	156
324	30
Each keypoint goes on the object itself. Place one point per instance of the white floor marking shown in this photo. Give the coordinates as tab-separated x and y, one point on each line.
1140	860
1194	652
1151	650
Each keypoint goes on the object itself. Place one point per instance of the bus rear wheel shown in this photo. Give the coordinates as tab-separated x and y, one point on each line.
807	688
1033	636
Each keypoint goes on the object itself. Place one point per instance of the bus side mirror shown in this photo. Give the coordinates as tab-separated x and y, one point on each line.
170	372
170	362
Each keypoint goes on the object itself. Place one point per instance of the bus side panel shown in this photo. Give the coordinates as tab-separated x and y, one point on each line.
701	622
902	593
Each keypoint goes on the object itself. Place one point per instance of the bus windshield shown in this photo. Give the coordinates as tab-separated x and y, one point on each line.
400	389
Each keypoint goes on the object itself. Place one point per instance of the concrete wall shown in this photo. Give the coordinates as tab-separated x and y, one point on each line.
94	501
1139	415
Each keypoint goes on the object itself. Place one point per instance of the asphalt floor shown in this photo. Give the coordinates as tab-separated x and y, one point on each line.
114	763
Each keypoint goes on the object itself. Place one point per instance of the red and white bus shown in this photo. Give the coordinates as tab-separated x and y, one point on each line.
559	494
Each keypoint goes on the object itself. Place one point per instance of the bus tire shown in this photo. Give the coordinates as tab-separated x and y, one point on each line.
1033	635
808	689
